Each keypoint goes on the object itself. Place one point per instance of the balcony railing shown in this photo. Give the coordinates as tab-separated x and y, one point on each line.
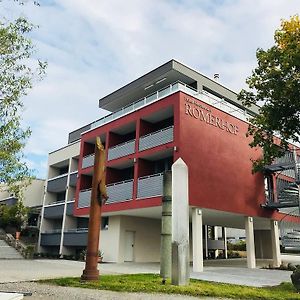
204	96
170	89
121	150
150	186
120	191
57	184
51	238
88	161
70	206
73	179
156	138
9	201
54	211
75	237
84	198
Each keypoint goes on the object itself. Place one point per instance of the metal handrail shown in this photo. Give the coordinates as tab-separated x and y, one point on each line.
124	143
120	182
88	155
124	110
55	203
154	132
52	231
74	230
85	190
152	175
59	176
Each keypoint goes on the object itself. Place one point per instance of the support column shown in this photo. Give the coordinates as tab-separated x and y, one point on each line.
275	244
197	240
224	235
206	241
215	234
251	264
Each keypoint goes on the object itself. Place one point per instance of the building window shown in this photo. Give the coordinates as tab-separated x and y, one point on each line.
104	223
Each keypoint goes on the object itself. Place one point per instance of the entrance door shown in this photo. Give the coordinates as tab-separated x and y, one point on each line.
129	246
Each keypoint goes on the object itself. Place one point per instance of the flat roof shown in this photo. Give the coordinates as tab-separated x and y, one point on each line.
162	76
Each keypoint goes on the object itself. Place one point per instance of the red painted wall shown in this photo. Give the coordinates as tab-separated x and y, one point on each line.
216	151
214	146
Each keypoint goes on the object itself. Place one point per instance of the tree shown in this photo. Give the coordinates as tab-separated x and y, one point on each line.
17	75
276	82
15	216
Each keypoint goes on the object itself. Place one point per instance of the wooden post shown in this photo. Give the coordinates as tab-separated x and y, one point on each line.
91	271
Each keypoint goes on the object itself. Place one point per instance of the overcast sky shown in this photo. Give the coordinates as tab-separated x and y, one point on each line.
95	46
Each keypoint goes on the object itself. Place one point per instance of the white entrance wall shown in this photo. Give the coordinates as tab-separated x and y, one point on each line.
110	240
146	241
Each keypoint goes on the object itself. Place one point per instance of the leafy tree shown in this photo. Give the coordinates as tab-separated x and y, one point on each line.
17	75
15	216
276	82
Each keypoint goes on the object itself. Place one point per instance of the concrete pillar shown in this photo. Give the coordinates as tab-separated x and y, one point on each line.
180	224
251	264
206	241
215	235
166	228
197	240
224	235
275	244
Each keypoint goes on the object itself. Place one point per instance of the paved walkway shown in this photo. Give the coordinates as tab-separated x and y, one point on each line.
17	275
8	252
229	271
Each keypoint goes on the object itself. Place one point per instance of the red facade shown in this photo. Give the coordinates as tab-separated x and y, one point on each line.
211	142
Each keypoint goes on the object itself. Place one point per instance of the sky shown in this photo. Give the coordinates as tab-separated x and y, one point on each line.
94	47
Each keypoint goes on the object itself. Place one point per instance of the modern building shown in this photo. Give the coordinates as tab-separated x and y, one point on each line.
33	198
169	113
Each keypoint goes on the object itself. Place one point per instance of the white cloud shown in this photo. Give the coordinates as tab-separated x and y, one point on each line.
94	47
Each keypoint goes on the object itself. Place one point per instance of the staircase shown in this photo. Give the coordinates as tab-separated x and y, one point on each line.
8	252
283	178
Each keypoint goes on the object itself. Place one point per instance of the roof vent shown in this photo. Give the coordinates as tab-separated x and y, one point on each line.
216	76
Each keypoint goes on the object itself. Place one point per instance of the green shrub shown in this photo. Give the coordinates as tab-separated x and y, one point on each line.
233	254
29	251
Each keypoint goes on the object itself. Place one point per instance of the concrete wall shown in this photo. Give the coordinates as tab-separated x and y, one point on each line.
147	238
64	153
33	194
110	240
263	244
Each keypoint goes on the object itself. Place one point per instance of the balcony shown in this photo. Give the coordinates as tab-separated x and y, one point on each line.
9	201
73	179
121	150
51	238
76	237
150	186
120	191
88	161
84	198
170	89
54	211
57	184
156	138
70	207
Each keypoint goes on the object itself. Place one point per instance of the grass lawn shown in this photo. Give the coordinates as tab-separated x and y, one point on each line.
150	283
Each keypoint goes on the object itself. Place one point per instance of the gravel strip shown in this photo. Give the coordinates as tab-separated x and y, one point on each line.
50	292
